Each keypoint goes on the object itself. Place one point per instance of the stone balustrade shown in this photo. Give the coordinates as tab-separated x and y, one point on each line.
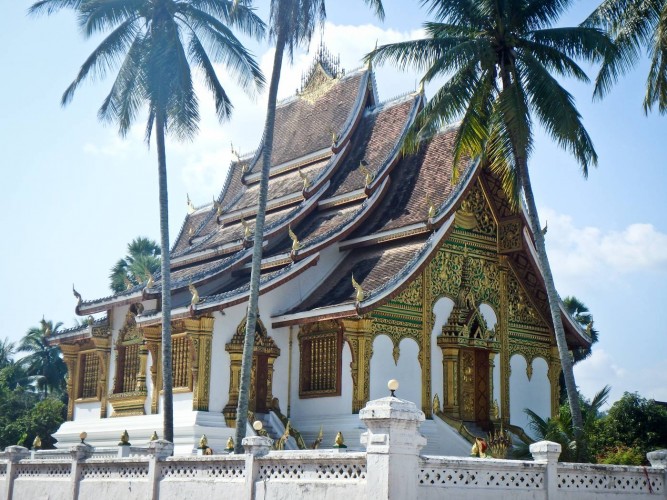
391	468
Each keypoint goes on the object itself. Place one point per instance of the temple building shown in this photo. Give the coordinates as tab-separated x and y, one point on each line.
376	266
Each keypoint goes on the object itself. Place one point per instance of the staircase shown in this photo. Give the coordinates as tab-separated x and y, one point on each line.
275	429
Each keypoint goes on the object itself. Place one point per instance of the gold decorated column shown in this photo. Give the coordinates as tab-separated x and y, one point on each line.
200	332
450	382
104	357
71	358
503	333
358	334
425	347
554	380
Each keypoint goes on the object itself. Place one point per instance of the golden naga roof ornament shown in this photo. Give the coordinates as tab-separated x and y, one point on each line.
218	207
191	232
334	138
295	241
235	153
128	283
77	295
151	280
369	176
191	207
432	210
195	295
246	228
359	297
306	180
420	91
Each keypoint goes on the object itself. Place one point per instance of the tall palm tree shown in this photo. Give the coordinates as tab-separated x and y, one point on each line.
43	363
500	59
142	260
152	44
292	23
7	350
582	315
633	25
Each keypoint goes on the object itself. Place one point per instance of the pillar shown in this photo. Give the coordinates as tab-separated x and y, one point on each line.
358	334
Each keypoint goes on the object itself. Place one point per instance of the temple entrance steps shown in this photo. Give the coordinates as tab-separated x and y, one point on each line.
441	438
275	429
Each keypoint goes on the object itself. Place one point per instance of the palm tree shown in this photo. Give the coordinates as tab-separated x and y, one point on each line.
582	315
500	59
559	429
7	350
292	25
142	260
43	363
633	25
152	44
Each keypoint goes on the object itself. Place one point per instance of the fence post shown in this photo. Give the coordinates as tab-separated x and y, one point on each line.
392	445
658	459
254	446
79	452
158	451
13	454
547	452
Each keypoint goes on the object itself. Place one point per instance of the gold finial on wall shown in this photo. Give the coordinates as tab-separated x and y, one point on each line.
246	228
150	281
305	179
432	211
369	176
124	439
218	208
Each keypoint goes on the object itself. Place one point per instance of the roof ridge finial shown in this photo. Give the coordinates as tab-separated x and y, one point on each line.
191	207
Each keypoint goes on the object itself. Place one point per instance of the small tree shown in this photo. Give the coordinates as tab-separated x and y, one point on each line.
142	260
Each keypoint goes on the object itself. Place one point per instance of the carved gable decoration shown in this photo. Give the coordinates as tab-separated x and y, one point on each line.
475	215
263	343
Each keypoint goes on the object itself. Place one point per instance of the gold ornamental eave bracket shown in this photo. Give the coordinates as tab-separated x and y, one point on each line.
128	404
510	235
447	341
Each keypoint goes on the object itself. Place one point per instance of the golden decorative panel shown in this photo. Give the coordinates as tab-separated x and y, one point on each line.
90	372
520	309
180	346
510	235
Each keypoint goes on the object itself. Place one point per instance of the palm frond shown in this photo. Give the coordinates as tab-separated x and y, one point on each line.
223	105
48	7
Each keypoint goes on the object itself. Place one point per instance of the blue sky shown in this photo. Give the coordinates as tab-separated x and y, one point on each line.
74	193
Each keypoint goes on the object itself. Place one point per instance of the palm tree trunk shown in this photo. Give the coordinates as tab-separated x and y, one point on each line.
554	304
521	160
251	321
167	378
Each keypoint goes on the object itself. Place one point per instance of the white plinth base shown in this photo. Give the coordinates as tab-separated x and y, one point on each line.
188	429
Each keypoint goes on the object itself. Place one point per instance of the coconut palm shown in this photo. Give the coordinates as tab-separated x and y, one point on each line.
582	315
7	350
500	59
142	260
634	25
292	23
152	44
43	363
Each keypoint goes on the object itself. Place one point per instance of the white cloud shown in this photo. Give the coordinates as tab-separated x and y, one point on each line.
582	253
603	369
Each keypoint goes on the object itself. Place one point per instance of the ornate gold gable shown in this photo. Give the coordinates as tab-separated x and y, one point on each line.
265	353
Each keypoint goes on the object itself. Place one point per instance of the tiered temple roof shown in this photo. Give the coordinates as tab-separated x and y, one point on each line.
337	178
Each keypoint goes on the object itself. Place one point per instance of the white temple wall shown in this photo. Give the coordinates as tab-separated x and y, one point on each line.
219	379
87	411
326	406
534	394
441	310
149	385
117	322
406	370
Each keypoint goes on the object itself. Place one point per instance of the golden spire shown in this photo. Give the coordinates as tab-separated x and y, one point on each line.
436	403
370	176
37	443
360	292
77	295
195	295
150	281
124	439
340	442
191	207
203	442
246	228
334	138
295	241
154	436
230	444
304	177
128	283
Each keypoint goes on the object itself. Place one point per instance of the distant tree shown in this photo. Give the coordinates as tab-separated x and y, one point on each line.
7	351
559	429
632	427
43	363
141	261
